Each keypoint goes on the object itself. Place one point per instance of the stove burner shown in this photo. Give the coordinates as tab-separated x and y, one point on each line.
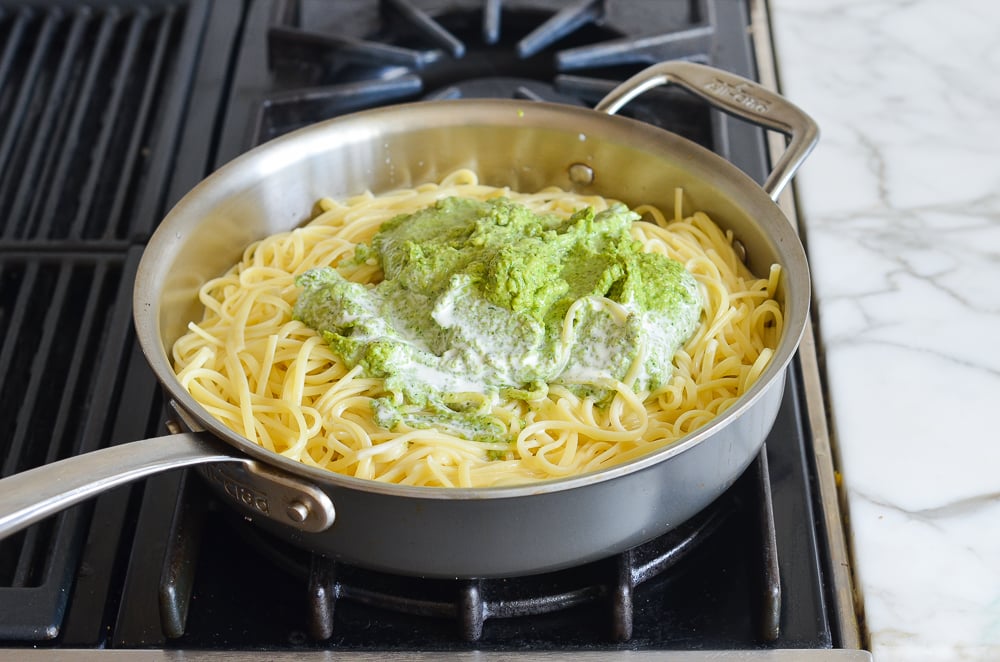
469	603
462	53
472	602
504	87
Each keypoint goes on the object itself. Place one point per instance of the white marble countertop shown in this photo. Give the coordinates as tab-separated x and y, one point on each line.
900	205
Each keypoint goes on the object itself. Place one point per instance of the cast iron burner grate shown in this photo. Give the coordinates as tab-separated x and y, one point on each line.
474	601
469	603
91	96
322	60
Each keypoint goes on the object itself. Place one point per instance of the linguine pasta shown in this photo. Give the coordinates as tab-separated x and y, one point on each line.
275	381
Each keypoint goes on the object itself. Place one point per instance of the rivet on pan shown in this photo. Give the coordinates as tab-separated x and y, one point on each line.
297	511
580	173
741	250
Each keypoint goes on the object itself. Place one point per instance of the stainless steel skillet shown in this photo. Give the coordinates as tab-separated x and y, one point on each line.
440	531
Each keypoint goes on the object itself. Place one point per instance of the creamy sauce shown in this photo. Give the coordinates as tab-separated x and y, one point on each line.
484	301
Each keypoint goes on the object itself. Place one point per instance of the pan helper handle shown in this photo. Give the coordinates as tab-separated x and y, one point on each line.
29	497
735	95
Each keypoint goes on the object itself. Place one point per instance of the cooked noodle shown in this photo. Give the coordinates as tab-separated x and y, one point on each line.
272	379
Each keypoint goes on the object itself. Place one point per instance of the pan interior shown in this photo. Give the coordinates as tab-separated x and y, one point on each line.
526	146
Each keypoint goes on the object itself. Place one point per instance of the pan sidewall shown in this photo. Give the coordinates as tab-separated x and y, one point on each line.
546	531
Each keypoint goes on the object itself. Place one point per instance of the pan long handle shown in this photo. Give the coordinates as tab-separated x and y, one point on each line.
28	497
735	95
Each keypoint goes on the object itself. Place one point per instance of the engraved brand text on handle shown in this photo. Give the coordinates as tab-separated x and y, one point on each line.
248	496
739	94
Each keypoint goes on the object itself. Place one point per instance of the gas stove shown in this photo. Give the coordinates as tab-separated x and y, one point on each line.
113	110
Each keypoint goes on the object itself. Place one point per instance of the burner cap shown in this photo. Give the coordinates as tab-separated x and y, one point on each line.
503	87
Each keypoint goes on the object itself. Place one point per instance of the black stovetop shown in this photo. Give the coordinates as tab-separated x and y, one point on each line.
109	113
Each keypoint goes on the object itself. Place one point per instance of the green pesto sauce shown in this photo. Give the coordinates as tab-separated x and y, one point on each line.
474	303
